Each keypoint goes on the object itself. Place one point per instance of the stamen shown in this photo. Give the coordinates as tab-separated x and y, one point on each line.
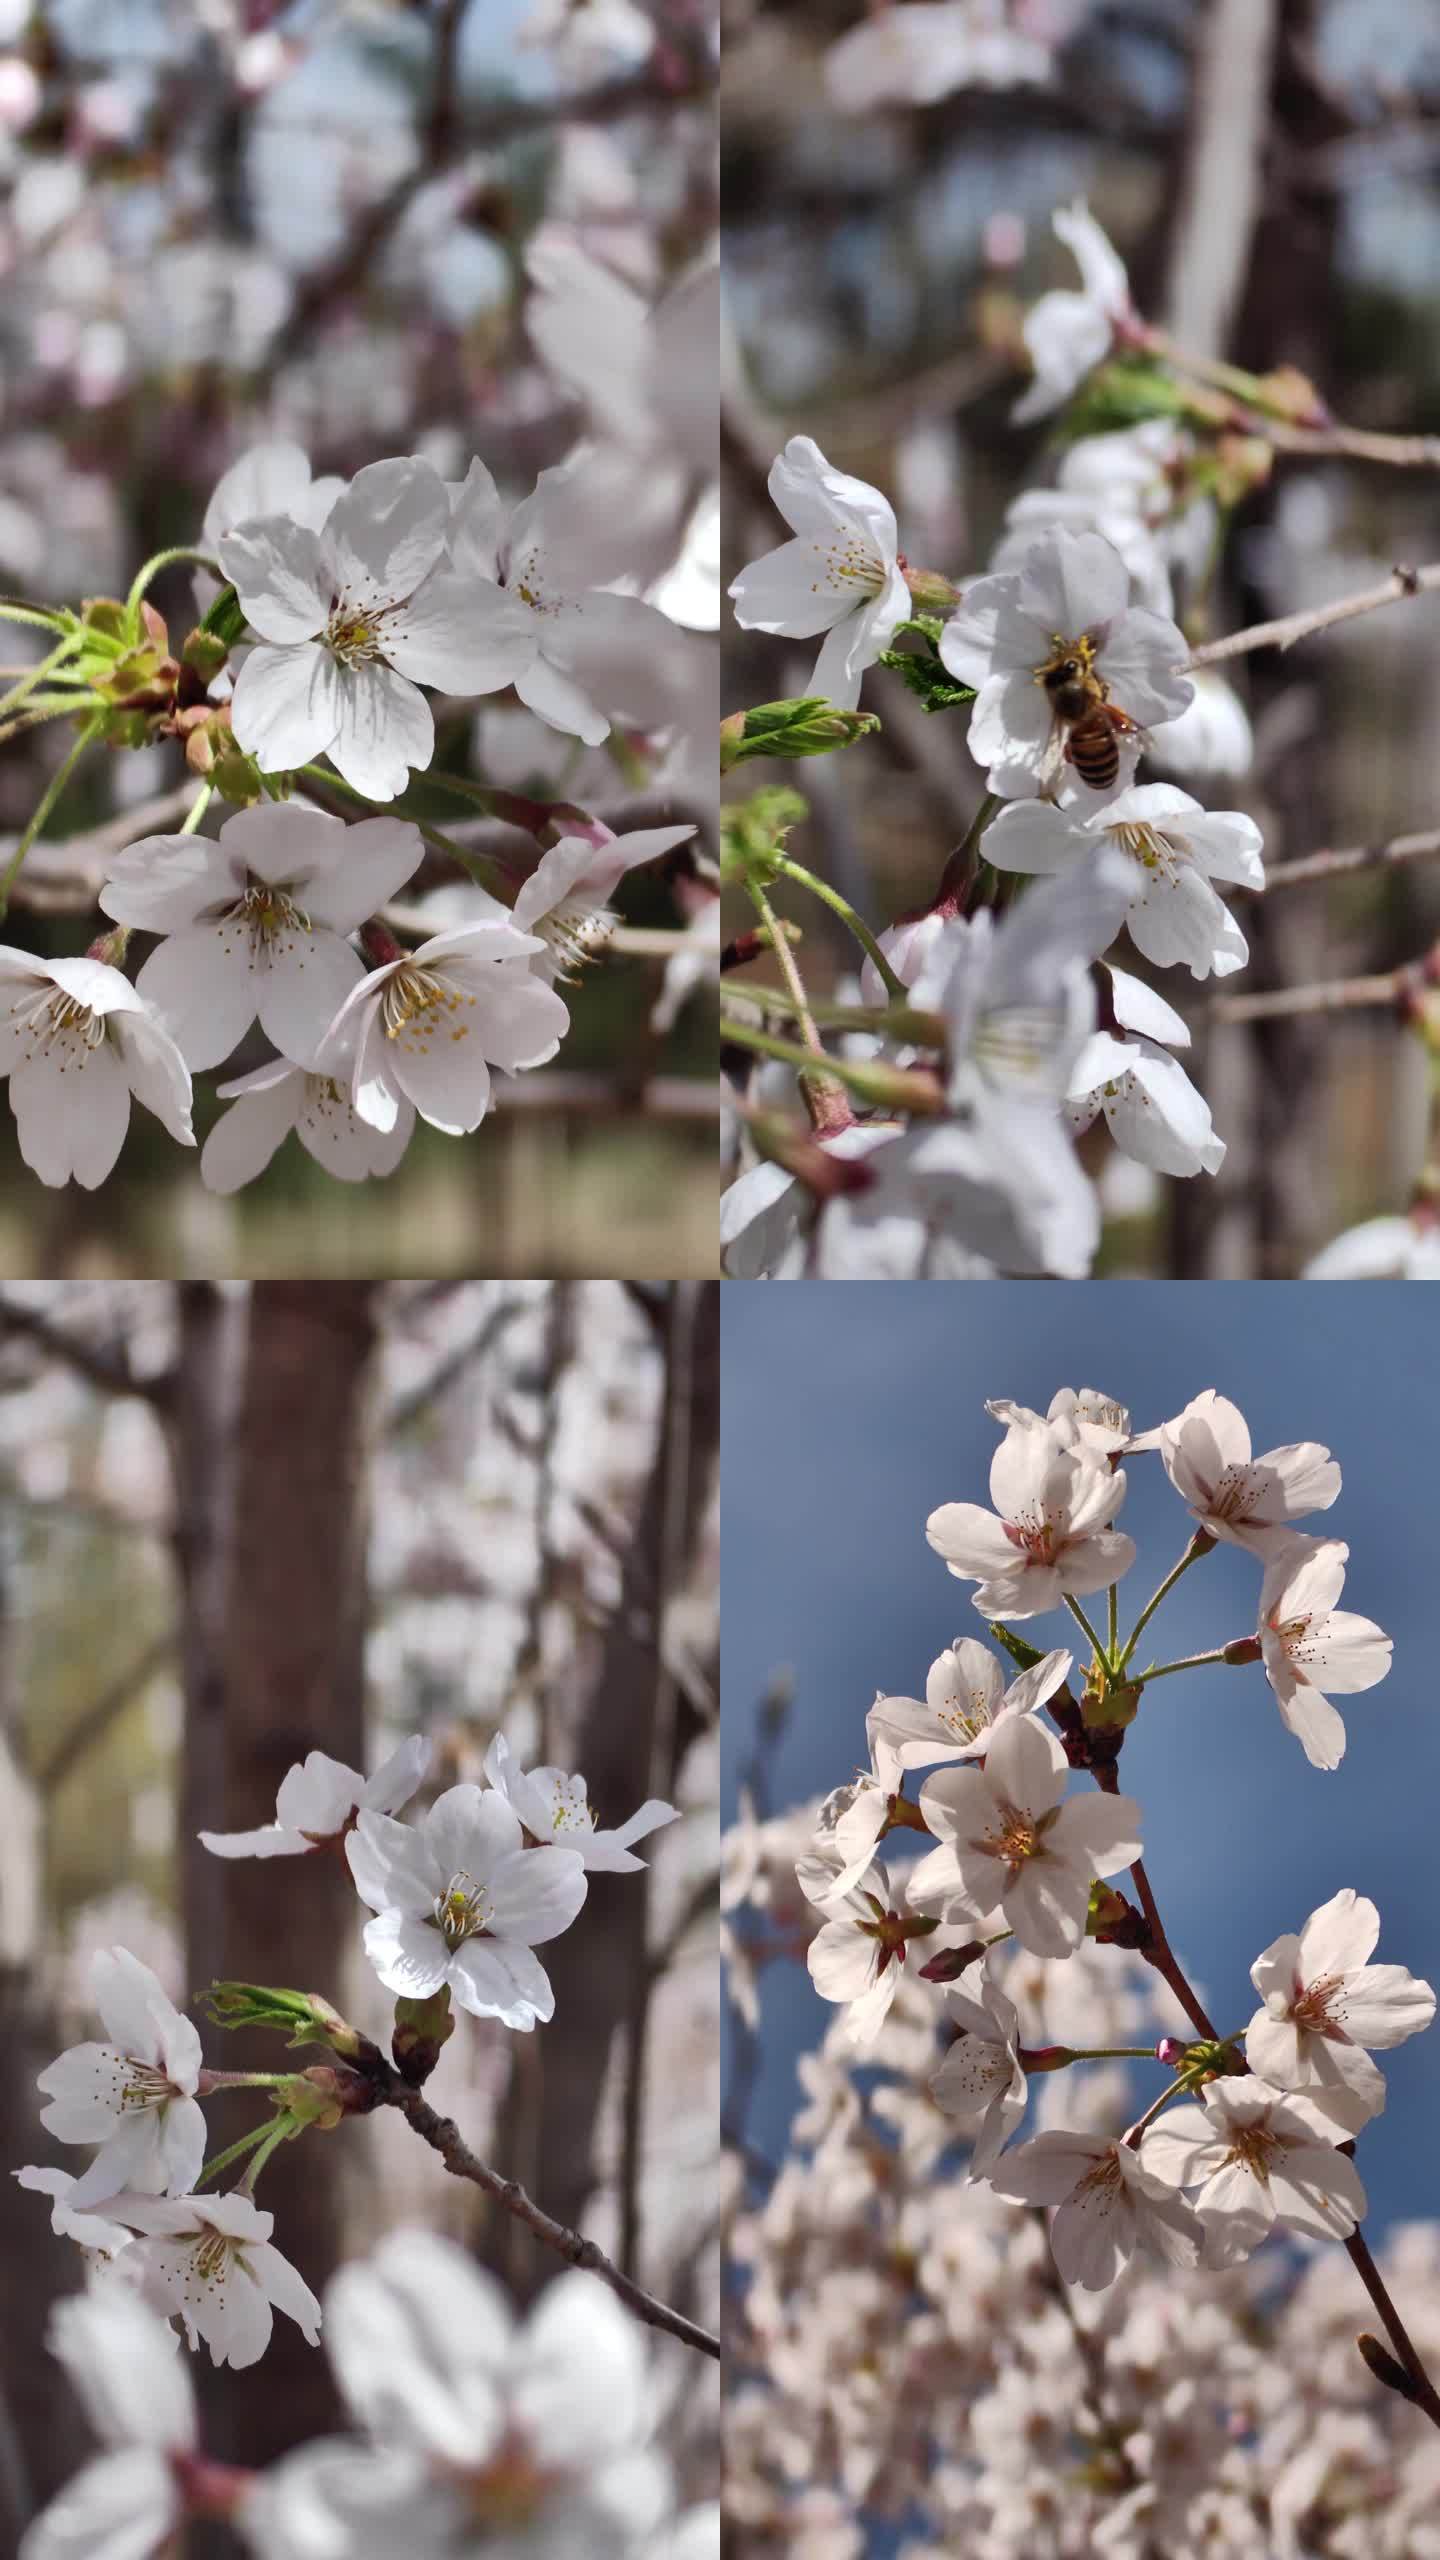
461	1910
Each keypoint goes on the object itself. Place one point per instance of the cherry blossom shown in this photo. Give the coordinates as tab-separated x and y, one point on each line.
1211	738
209	2260
966	1697
566	898
320	1800
579	656
1152	1110
849	1824
352	620
1326	2004
277	1098
101	2237
427	1027
77	1040
1069	597
1085	1418
982	2081
255	923
523	2432
272	479
554	1810
1257	2157
461	1900
1110	2203
840	575
122	2363
1066	333
859	1955
1052	1534
1381	1249
1249	1502
912	55
1310	1647
1006	1837
134	2096
1175	849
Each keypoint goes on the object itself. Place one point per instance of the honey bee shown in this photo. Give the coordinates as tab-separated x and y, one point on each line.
1094	725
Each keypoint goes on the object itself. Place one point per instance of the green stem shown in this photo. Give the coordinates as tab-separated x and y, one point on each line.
237	2150
197	808
167	560
10	611
47	802
1111	2052
1187	1662
822	1097
1200	1545
1177	2089
46	706
43	667
274	2134
894	985
476	864
1114	1629
918	1030
1078	1614
858	1078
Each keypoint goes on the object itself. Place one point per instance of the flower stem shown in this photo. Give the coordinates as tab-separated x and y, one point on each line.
1114	1621
1186	1662
1176	2089
197	808
1097	1648
167	560
1426	2397
48	799
33	676
474	863
1200	1545
858	1078
210	2081
894	985
236	2151
824	1099
272	2135
12	611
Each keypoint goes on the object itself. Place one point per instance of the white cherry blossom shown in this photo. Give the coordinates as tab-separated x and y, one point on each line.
1382	1249
860	1953
982	2081
1066	333
134	2096
352	620
1069	597
272	479
1211	739
427	1027
123	2365
1109	2203
255	923
1326	2006
1249	1502
566	898
1049	1533
911	55
840	575
268	1104
966	1697
554	1809
1256	2157
209	2260
849	1825
461	1901
579	656
1006	1837
1152	1110
320	1799
1174	849
98	2234
1310	1647
77	1040
1084	1417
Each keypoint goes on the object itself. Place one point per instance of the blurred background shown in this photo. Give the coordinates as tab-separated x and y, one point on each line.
375	227
1266	168
238	1524
850	1414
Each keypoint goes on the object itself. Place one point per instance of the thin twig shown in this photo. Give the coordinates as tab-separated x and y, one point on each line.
1335	995
445	2138
1402	582
1337	861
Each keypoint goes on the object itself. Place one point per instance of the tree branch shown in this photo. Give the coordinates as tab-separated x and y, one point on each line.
107	1369
444	2137
1335	995
1291	627
1337	861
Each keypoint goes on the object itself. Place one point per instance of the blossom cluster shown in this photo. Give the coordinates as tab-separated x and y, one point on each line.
355	596
460	1896
1069	662
943	2369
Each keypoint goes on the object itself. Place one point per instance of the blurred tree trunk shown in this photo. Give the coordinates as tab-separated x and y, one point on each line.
274	1645
630	1745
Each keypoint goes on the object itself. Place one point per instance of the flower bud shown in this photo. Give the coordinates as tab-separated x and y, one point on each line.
206	652
805	726
422	2029
309	2017
1243	1649
951	1962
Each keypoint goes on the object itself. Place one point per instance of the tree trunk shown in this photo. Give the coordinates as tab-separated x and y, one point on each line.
283	1654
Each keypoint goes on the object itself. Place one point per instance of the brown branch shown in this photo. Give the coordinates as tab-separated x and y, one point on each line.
1291	627
1339	861
102	1367
1335	995
444	2137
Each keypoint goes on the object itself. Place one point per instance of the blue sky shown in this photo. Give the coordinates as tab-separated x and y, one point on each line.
850	1412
